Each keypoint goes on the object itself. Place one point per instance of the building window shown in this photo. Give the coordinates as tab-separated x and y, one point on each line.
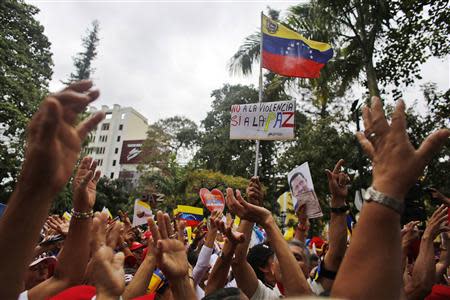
114	163
116	150
122	117
105	126
99	162
120	126
112	175
108	116
118	138
103	138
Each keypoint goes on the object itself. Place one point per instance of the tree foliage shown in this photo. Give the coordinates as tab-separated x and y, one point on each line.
25	70
83	60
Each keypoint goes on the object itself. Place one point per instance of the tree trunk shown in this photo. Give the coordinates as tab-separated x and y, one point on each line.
372	83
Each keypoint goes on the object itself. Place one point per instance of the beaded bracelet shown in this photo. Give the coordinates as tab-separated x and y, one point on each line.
82	215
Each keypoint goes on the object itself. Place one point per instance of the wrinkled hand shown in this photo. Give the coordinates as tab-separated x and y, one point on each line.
58	224
227	230
338	184
396	164
85	185
254	191
437	224
53	141
247	211
409	233
107	267
170	253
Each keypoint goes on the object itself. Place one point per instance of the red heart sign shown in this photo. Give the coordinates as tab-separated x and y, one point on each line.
213	200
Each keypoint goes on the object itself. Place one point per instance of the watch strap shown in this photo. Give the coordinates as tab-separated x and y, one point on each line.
378	197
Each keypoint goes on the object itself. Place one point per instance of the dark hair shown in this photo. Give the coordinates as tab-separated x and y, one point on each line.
230	293
257	257
294	176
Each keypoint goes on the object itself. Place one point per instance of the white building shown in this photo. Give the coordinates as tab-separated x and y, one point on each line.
107	141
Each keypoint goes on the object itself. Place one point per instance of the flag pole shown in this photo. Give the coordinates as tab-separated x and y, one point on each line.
260	93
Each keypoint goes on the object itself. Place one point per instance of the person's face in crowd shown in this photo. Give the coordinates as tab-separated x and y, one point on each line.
36	274
299	185
300	257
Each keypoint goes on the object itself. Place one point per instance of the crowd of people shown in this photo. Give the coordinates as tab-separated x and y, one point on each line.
91	256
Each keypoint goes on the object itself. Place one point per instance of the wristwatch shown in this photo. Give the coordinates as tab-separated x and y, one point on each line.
373	195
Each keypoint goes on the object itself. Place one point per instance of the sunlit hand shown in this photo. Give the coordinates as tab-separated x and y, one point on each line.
107	267
59	224
338	184
215	215
234	237
53	141
170	253
396	164
247	211
437	224
85	184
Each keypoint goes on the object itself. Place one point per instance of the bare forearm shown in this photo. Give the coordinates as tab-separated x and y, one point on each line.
182	289
245	276
139	283
338	241
293	279
19	228
210	238
423	274
219	274
378	230
246	228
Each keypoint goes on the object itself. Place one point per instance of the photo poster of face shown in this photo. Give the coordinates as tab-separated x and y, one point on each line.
302	191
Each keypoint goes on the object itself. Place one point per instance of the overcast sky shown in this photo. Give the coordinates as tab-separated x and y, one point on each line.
164	58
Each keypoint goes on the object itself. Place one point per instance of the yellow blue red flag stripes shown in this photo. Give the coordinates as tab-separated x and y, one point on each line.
288	53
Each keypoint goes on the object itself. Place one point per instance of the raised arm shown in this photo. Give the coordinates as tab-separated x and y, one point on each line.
202	265
294	280
245	276
53	146
337	182
423	275
219	274
376	240
74	256
444	258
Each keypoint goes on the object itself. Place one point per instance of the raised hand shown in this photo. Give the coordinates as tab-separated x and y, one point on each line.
233	236
245	210
409	233
58	224
338	184
85	184
254	191
170	253
438	195
53	141
437	224
396	164
107	267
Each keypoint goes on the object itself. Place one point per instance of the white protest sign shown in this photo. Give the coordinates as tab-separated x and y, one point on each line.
263	121
302	191
142	211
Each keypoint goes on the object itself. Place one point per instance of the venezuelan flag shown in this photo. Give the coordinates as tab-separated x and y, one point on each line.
192	216
288	53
